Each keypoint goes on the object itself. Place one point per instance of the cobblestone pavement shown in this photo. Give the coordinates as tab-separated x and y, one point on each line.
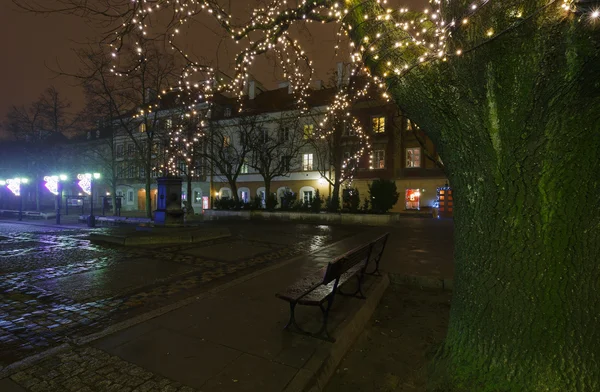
56	286
89	369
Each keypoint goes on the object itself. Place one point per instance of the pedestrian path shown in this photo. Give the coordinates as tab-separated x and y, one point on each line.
229	339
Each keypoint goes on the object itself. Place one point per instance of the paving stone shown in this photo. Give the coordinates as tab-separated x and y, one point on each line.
56	285
118	375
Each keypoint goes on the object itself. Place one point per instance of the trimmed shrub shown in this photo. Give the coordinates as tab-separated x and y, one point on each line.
288	199
351	200
316	202
365	207
383	195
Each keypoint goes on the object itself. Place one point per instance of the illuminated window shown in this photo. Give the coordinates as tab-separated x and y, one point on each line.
168	124
412	199
226	141
307	162
413	157
307	196
378	124
244	169
197	197
379	159
409	125
142	128
308	131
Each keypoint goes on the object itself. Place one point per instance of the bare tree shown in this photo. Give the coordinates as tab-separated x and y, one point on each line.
186	150
133	101
338	138
229	146
47	115
275	152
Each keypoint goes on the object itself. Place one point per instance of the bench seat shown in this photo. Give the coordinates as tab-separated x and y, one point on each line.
294	292
319	294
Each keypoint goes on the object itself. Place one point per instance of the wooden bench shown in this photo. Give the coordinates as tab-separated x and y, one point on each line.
320	289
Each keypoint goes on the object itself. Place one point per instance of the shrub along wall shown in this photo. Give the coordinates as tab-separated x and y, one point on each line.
325	218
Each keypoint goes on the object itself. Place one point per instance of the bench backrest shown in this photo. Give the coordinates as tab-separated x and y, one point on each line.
378	248
343	263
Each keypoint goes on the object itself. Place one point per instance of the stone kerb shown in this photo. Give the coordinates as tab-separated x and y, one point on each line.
326	218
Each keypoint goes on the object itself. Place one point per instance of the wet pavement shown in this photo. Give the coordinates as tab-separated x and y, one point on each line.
56	286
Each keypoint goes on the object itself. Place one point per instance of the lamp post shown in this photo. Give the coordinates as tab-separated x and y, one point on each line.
54	185
14	184
86	183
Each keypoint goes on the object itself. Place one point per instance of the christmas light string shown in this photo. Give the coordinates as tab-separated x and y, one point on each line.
425	36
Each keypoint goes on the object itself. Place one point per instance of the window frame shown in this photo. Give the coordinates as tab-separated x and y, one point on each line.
308	131
310	198
307	162
377	160
409	163
378	119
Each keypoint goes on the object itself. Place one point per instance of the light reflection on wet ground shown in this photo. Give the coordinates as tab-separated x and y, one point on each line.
56	285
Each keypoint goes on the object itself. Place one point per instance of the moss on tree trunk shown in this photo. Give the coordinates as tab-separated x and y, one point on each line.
517	124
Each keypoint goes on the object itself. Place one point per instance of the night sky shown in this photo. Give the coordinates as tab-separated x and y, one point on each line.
32	44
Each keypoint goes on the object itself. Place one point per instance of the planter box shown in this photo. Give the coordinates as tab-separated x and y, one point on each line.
289	216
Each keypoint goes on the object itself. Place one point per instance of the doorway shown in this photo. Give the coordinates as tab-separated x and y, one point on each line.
141	199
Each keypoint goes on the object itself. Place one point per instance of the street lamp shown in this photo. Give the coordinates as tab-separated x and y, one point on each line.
86	182
54	185
14	185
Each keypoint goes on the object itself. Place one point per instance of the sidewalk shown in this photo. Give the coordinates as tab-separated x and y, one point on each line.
229	339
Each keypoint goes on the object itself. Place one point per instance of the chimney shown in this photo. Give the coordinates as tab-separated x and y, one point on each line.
318	84
251	89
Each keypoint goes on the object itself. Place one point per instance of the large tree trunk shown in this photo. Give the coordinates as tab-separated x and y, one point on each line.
234	190
335	196
267	192
516	123
189	208
113	193
147	193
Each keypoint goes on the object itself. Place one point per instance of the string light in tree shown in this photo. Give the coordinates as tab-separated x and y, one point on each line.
421	38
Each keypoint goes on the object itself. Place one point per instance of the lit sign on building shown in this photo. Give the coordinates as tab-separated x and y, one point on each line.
52	184
85	182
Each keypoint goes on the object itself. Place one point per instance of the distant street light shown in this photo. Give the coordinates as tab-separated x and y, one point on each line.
86	183
54	185
14	185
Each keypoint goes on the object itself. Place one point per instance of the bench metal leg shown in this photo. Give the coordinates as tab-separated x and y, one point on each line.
358	293
292	321
322	333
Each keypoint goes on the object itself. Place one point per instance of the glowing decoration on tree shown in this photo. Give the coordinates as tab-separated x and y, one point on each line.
423	38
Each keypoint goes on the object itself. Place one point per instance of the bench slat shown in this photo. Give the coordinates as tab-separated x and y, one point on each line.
294	292
339	266
320	294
